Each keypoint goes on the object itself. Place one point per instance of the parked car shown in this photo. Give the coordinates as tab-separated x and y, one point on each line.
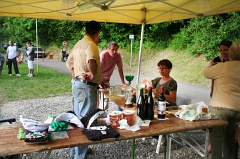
18	45
6	45
40	53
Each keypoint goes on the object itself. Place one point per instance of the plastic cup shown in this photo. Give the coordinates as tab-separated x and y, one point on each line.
115	116
129	115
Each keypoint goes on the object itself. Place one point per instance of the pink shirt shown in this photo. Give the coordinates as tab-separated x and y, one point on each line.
108	64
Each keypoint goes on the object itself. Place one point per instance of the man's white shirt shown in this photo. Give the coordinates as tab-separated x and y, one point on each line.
12	52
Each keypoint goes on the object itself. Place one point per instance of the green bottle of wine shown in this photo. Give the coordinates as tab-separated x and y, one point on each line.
150	105
141	106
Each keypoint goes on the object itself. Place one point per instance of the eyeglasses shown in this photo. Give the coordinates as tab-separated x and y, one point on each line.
113	49
161	68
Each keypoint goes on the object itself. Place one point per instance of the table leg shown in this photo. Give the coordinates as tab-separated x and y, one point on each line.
133	148
159	144
103	99
165	146
206	143
168	138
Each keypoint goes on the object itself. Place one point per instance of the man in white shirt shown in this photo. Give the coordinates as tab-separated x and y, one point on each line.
11	58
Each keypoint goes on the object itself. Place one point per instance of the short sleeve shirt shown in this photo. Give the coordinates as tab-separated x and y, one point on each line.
12	52
169	86
31	55
84	50
108	64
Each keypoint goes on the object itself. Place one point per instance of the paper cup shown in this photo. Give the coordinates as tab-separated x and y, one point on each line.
115	116
129	115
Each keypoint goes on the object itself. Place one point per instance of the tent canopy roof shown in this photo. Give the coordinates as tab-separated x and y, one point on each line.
119	11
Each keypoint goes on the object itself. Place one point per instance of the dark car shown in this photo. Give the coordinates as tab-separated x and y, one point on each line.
16	44
40	53
5	46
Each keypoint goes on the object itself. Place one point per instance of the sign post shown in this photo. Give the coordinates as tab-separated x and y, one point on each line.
131	37
64	43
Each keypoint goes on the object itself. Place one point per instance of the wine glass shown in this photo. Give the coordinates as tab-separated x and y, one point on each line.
129	78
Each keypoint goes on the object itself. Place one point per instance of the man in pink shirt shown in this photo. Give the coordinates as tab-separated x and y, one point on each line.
109	59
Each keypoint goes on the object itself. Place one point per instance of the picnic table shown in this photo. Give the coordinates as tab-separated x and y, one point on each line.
10	145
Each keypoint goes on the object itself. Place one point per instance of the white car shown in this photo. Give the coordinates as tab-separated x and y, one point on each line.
40	53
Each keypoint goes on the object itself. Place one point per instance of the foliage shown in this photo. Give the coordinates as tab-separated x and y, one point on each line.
202	35
197	36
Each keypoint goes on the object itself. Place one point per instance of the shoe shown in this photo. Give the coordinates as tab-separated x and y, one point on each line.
18	75
31	75
89	151
28	74
10	74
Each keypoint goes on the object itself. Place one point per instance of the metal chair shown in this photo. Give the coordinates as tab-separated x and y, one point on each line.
181	100
184	100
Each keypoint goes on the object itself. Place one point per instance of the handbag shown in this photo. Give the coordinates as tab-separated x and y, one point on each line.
95	132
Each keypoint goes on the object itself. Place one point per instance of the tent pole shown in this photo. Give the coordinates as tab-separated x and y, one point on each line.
140	53
141	43
37	42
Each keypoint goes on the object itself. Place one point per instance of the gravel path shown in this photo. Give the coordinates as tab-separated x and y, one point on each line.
41	109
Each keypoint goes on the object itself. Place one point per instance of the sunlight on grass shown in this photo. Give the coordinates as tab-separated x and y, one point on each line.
45	83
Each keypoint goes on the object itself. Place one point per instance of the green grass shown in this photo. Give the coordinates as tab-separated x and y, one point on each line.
45	83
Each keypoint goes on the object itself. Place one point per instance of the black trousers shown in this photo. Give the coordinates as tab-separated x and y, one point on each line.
14	62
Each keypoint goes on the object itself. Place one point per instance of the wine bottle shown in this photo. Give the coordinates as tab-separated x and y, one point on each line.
141	105
150	105
161	105
146	106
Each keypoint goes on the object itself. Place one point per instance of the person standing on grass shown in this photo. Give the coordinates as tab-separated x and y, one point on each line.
11	58
225	103
109	59
2	60
84	65
30	54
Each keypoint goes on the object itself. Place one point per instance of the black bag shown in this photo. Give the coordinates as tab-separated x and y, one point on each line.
85	120
90	120
96	135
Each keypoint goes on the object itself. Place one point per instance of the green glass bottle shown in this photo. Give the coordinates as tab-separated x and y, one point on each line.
141	106
150	105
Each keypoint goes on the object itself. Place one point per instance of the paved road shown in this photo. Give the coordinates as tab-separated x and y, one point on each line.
194	92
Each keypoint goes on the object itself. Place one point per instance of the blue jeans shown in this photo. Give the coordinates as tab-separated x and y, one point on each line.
84	100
